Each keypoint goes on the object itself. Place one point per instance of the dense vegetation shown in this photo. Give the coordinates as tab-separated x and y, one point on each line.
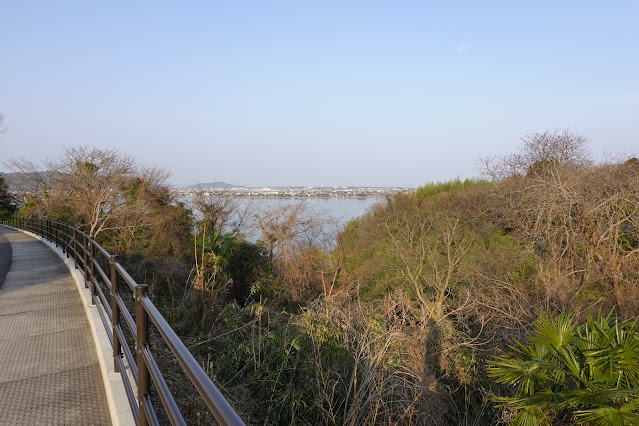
409	318
7	204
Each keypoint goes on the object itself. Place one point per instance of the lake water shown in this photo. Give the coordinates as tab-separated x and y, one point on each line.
340	209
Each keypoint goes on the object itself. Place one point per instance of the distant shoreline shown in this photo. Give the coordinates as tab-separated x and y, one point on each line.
300	197
294	192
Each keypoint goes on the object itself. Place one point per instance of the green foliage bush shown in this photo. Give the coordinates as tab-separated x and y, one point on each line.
7	203
433	189
587	374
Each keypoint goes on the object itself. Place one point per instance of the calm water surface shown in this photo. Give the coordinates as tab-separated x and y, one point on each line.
342	209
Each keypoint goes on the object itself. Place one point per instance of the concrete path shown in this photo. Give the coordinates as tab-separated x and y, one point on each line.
49	372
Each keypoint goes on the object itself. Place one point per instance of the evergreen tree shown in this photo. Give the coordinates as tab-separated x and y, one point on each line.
7	203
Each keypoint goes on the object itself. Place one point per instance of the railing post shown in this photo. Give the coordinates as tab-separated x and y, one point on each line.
115	320
142	323
86	265
92	268
75	248
66	244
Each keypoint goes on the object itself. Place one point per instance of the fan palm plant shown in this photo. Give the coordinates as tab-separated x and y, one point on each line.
587	374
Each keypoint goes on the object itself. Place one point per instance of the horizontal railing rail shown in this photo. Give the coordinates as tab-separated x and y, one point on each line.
103	275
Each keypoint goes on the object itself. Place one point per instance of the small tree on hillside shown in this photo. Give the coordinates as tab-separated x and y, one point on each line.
537	150
296	238
221	212
98	189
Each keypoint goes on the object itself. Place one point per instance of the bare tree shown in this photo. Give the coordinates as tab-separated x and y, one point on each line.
295	237
288	229
98	188
222	212
537	151
428	257
578	220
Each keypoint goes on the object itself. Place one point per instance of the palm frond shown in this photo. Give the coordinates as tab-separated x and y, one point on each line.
531	416
608	416
554	332
588	371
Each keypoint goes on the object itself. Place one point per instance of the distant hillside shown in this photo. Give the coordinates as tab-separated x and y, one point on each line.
24	181
213	185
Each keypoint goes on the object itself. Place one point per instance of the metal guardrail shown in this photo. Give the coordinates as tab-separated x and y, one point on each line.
92	259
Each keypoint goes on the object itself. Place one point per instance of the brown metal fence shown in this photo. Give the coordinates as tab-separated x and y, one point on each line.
102	271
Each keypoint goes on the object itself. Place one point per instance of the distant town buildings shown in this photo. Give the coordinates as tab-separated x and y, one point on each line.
294	192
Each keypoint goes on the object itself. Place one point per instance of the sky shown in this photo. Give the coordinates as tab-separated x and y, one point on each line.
315	93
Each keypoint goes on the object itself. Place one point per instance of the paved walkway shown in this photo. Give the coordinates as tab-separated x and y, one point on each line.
49	372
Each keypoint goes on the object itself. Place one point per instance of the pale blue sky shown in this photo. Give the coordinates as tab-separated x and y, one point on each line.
374	93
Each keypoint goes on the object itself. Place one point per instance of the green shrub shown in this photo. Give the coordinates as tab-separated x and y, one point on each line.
587	374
